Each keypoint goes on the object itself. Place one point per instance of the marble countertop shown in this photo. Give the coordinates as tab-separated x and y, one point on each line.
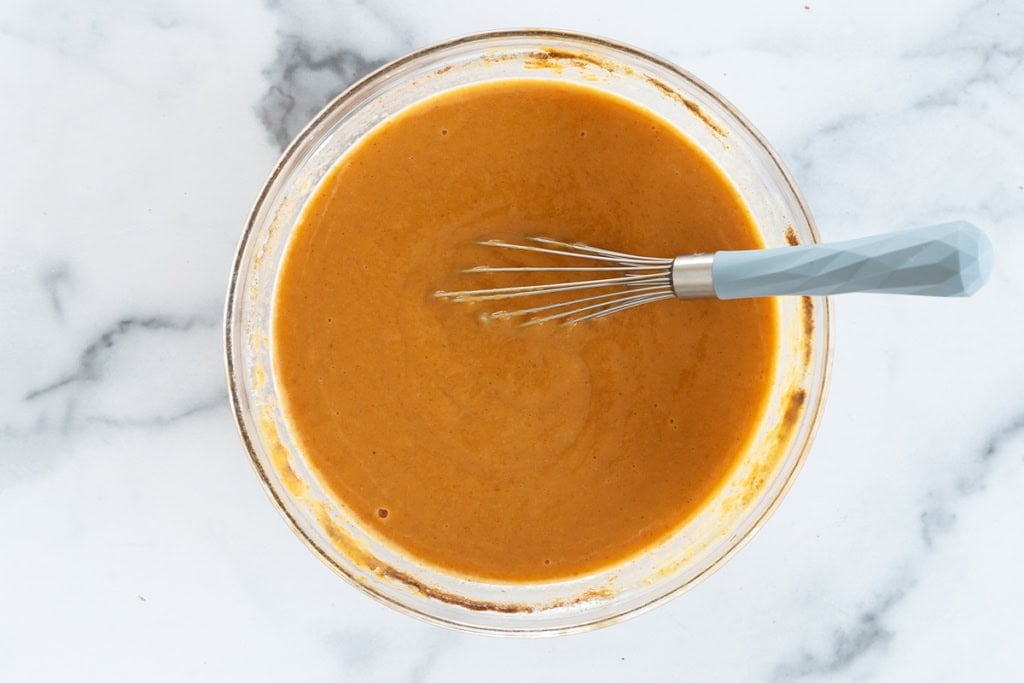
137	136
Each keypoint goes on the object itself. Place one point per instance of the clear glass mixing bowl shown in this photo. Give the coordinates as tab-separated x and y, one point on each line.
730	518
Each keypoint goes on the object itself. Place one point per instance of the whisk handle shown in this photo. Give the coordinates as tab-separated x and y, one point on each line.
950	259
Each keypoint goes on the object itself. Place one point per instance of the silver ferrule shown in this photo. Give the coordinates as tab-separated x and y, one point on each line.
691	276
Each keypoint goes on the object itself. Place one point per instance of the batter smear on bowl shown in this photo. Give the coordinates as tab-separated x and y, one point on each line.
483	448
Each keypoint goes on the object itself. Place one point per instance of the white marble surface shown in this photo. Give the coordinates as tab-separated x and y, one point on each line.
135	137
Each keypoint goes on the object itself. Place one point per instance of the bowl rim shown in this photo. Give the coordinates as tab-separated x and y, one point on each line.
235	390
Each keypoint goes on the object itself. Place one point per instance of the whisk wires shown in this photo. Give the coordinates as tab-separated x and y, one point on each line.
631	281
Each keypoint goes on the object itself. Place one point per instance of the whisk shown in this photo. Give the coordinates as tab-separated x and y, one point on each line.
949	259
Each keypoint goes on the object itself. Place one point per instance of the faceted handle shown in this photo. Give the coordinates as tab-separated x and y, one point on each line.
951	259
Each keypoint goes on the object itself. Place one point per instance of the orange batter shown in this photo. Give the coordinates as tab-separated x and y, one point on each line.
507	453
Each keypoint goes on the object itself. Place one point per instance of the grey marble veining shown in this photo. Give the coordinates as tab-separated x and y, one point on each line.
308	71
867	633
302	85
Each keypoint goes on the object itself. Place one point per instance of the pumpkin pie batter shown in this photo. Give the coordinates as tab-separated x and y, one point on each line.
486	449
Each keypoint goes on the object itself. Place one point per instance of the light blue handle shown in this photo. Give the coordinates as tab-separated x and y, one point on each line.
951	259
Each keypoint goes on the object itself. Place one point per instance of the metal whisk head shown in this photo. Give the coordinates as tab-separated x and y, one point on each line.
632	281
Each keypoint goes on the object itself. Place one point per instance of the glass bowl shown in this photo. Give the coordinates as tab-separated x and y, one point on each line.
729	519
